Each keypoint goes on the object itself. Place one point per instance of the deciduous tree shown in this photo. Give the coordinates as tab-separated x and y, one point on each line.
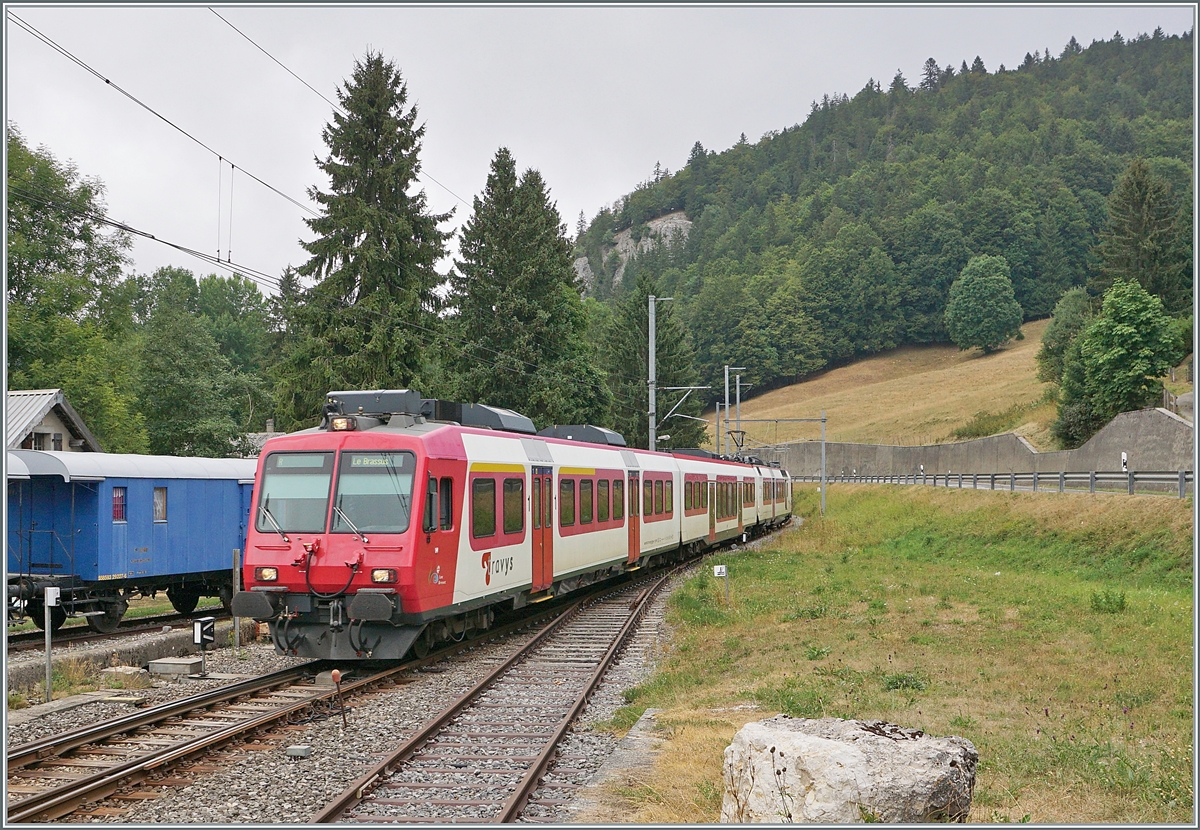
982	311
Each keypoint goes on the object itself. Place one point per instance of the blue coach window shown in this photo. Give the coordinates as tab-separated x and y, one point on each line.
295	492
160	504
374	492
119	504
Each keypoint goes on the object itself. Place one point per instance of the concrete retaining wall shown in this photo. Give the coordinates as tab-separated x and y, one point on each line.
1153	439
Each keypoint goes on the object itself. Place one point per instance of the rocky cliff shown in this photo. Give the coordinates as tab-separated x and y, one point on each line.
671	229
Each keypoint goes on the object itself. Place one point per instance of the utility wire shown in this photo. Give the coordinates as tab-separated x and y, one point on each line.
345	114
31	30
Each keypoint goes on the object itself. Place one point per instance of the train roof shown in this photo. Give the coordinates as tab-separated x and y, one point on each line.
16	468
97	466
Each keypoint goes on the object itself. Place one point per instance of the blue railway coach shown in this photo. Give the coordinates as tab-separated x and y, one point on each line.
106	527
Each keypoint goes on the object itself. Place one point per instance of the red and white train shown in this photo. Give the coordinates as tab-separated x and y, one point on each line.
401	522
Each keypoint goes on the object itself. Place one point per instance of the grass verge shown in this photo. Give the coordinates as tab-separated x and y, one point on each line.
1053	631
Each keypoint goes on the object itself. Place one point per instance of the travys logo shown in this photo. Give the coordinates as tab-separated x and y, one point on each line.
500	567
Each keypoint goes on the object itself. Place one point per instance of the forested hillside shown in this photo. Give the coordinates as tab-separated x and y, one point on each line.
841	236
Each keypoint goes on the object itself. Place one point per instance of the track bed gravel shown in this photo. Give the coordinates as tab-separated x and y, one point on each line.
268	787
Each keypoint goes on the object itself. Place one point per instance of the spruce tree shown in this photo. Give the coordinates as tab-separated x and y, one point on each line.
519	316
627	349
369	322
1143	242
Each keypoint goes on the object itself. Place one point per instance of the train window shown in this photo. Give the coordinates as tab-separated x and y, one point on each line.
658	502
647	498
585	502
687	495
446	509
514	505
295	492
547	503
483	507
602	500
160	504
535	496
119	504
618	499
374	492
566	502
431	501
668	497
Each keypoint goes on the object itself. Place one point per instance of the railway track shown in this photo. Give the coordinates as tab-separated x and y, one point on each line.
59	775
483	758
81	635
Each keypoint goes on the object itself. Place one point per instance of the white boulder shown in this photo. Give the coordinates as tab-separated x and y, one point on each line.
809	771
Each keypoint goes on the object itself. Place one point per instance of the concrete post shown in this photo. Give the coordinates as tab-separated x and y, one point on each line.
1092	481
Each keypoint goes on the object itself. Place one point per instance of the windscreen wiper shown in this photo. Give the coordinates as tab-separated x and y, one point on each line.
346	519
262	508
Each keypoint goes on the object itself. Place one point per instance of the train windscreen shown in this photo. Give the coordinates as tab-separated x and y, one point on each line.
374	492
295	492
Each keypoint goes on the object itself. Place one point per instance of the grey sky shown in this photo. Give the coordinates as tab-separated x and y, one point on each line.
592	97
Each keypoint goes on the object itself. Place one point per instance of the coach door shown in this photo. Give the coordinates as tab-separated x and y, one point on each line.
542	515
631	515
712	511
740	493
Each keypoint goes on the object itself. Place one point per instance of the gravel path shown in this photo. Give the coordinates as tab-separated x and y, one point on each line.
268	787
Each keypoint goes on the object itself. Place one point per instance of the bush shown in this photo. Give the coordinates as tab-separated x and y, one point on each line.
1108	601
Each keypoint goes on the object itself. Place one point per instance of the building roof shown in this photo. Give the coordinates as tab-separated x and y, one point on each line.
26	408
97	466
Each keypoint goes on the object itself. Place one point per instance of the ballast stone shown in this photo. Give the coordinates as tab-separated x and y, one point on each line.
807	770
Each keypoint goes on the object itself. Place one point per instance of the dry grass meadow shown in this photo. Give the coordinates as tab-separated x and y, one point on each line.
1054	631
912	395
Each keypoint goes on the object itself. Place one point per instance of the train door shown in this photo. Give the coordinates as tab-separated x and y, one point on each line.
631	515
741	505
541	510
712	511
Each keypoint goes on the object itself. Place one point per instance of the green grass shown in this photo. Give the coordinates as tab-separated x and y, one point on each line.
1053	631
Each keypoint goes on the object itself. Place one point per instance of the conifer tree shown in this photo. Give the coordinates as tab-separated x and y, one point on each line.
369	322
1143	241
519	313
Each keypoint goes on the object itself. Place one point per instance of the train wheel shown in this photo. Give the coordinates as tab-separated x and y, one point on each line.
183	600
37	612
225	593
107	622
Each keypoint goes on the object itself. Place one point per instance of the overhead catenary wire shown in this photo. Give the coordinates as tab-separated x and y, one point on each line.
255	276
421	173
65	53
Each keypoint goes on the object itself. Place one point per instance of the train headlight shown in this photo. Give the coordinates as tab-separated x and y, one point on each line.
345	423
380	575
266	574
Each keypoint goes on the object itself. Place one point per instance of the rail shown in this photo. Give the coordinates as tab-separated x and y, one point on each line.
1158	482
